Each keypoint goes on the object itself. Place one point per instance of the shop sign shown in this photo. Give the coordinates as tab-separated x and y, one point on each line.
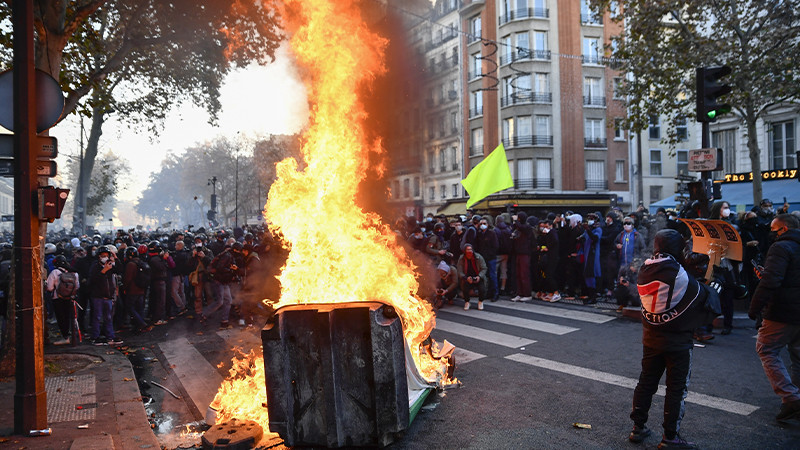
785	174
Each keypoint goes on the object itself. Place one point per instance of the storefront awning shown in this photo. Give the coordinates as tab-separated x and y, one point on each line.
453	209
740	195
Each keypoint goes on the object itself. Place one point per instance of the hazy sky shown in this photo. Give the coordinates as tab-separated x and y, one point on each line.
258	100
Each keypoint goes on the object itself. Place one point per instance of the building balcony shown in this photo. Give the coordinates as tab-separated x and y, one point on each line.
475	112
595	142
437	42
524	55
592	59
526	97
523	13
592	100
591	19
473	75
476	150
528	141
596	185
534	183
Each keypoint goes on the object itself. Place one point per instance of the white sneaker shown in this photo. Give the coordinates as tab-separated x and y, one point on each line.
554	298
525	299
516	299
241	322
62	341
466	306
480	305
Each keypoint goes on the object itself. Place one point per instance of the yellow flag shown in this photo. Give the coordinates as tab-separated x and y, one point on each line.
490	176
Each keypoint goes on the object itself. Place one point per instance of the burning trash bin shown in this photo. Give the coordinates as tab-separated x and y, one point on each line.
337	374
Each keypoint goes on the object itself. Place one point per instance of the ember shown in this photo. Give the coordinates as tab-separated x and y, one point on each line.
339	252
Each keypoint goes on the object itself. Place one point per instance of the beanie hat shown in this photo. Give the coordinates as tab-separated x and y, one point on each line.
444	266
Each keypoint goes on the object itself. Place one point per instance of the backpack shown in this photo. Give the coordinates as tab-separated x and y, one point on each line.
67	285
142	276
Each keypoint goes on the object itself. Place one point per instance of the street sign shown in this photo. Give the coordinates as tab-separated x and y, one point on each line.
49	100
43	168
43	146
684	177
705	160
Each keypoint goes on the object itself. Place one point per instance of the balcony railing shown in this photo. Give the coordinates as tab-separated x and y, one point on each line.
526	97
524	54
476	150
595	142
591	19
473	75
596	185
592	59
474	37
475	112
437	42
523	13
533	183
528	140
591	100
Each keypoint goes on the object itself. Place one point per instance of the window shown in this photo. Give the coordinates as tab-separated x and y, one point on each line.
683	161
455	190
525	173
475	28
396	189
619	171
655	162
726	140
540	44
507	50
454	158
523	45
591	50
587	15
431	163
476	103
655	193
619	133
617	86
541	83
592	92
442	160
476	65
523	83
655	128
682	129
454	56
477	142
593	129
416	187
406	188
543	175
595	175
508	132
543	128
508	87
432	193
453	122
782	146
524	126
443	191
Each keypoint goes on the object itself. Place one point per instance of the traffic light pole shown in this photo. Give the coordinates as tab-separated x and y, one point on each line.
30	398
705	177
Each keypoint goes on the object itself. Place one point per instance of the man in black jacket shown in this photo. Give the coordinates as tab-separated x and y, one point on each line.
102	291
673	305
778	295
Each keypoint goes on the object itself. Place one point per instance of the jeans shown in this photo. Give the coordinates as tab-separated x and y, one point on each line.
178	294
134	307
679	369
492	273
101	313
772	338
223	301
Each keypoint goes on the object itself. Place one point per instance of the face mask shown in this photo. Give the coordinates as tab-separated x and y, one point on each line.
198	245
423	229
673	218
767	210
773	235
628	227
439	232
484	227
609	221
429	219
726	212
103	260
590	222
118	244
459	228
545	230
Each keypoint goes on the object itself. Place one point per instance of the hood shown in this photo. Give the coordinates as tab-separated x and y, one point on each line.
522	217
669	242
791	235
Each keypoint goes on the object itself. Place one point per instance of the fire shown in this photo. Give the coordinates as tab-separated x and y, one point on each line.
339	252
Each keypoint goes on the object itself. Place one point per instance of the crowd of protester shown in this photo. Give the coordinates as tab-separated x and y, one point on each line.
566	255
135	280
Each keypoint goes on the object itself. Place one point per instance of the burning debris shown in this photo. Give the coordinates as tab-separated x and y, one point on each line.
343	260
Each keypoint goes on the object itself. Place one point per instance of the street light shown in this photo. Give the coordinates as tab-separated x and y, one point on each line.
212	212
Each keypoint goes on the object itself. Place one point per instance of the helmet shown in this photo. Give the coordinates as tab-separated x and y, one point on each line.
221	234
142	249
60	261
201	236
102	249
248	247
237	246
49	248
131	252
154	247
248	237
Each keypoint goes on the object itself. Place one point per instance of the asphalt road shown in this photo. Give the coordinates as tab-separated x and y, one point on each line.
527	373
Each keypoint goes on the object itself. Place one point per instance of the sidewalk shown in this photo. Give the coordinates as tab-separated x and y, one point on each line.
93	402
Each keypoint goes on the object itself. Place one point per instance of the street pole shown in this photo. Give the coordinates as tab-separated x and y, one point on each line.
236	196
705	177
30	398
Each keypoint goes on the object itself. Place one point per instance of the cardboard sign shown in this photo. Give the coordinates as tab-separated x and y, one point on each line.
715	238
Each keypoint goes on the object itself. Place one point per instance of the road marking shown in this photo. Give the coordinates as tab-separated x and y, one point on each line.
200	379
554	312
464	356
529	324
722	404
492	337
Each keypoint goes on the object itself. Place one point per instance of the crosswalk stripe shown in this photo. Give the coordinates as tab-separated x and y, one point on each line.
492	337
722	404
555	312
464	356
537	325
200	379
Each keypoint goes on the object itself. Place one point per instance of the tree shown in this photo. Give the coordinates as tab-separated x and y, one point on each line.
663	42
150	53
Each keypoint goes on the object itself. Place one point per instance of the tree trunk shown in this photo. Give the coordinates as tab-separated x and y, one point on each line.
87	165
755	152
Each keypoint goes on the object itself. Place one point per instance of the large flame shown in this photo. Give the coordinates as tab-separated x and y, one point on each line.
339	253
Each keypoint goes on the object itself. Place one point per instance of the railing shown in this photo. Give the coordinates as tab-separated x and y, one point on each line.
534	183
437	42
529	140
523	13
592	19
474	37
476	150
596	185
524	54
473	75
591	100
592	59
475	112
595	142
526	97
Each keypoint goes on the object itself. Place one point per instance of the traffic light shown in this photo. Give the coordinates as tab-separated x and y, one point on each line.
51	202
211	214
708	89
